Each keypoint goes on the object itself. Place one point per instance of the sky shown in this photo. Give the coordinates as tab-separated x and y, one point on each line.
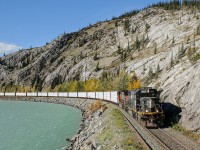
32	23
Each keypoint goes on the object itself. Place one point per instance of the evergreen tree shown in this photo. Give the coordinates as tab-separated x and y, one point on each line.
157	70
172	61
97	67
95	56
81	55
126	25
150	74
155	49
147	26
128	47
119	50
137	43
143	41
125	56
79	86
122	57
147	38
188	39
74	61
144	69
116	23
198	30
189	53
173	41
123	81
181	51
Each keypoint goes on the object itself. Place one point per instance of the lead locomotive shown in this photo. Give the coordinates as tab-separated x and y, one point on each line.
144	105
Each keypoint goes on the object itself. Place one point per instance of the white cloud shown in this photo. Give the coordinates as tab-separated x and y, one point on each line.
8	48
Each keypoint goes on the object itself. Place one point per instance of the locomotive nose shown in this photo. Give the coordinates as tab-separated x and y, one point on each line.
147	104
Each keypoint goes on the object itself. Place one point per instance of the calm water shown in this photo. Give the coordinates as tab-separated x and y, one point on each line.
36	126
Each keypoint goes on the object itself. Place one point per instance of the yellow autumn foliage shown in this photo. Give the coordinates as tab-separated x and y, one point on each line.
109	83
72	86
134	85
92	85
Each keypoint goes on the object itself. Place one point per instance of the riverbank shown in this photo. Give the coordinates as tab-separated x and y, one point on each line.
105	129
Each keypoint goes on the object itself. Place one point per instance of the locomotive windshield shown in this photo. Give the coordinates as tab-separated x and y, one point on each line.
149	93
147	102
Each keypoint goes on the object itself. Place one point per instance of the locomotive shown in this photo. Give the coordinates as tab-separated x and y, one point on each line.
144	105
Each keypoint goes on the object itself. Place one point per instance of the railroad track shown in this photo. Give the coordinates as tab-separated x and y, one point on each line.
156	138
139	136
145	136
170	142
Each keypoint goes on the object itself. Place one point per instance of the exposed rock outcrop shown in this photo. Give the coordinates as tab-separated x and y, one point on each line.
154	38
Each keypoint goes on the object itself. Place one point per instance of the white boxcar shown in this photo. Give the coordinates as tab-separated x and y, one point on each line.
82	94
91	95
63	94
114	96
9	94
32	94
20	94
100	95
107	96
53	94
73	94
42	94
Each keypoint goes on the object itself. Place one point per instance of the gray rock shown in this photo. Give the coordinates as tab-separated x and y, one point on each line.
65	58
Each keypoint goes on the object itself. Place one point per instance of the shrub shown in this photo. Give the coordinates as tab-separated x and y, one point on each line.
93	107
196	58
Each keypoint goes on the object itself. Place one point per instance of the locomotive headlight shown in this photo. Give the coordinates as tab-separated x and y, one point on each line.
147	111
157	110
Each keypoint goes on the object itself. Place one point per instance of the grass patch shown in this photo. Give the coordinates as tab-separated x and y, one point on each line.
195	58
117	132
187	133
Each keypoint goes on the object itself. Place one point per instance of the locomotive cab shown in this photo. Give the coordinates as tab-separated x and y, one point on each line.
147	104
143	104
150	108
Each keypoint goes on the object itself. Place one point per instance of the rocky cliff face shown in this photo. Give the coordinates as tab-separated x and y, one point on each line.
154	42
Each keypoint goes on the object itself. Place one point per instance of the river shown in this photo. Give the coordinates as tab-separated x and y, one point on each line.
36	126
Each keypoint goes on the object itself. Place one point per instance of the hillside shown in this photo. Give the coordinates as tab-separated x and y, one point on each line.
160	46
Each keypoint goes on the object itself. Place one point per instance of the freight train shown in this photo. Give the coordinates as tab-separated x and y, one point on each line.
144	105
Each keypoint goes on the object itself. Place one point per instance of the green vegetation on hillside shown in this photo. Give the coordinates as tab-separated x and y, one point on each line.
167	5
106	83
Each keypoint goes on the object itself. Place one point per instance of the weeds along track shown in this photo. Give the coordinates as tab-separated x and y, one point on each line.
154	138
148	139
157	138
146	145
170	141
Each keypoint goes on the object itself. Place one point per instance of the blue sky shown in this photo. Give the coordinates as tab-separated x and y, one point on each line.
26	23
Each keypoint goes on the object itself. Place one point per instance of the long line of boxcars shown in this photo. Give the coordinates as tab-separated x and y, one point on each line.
143	104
